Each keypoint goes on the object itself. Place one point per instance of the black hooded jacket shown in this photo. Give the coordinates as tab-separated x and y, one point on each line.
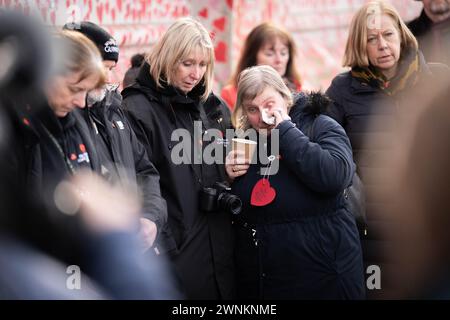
200	243
117	144
46	150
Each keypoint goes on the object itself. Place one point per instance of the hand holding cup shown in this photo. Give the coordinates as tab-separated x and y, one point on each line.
239	159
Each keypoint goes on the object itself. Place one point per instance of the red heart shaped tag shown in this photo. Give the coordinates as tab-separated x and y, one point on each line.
262	193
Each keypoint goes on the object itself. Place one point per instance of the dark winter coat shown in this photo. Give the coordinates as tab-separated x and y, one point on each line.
370	117
54	148
433	38
199	243
36	166
111	130
304	244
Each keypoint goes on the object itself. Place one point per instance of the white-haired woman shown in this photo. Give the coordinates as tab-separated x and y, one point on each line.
296	239
172	91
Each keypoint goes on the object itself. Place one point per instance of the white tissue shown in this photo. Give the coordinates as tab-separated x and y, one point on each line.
266	119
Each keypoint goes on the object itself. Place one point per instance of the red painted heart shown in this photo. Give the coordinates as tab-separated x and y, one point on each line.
53	17
203	13
220	23
100	13
44	14
221	52
262	193
119	5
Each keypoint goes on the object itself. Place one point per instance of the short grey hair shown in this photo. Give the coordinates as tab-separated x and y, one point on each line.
252	82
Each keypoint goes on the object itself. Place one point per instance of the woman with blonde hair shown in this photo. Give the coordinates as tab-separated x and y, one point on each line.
386	66
173	94
80	70
296	239
57	133
270	45
52	142
82	224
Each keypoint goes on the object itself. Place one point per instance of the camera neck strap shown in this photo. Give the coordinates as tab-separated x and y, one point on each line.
204	174
55	142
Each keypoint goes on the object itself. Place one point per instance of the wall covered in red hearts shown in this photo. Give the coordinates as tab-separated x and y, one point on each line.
318	26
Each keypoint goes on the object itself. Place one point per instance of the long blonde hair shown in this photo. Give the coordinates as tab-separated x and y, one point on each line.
356	48
80	55
180	40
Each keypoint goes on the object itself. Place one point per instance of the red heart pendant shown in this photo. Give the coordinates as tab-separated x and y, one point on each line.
262	193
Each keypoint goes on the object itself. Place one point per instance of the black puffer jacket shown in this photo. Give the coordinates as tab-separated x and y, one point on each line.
36	166
199	243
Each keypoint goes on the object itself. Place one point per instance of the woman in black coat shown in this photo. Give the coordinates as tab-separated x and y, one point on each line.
297	241
371	100
171	98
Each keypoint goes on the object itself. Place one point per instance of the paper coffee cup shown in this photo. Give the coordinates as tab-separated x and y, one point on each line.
247	147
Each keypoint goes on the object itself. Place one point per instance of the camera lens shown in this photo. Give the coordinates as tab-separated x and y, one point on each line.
230	203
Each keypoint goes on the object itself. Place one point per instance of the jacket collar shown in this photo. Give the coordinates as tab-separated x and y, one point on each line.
110	103
54	124
145	80
170	97
407	75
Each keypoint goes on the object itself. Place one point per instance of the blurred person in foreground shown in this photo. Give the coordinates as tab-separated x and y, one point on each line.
432	30
110	265
173	96
386	66
103	219
270	45
300	242
50	142
121	155
56	141
419	176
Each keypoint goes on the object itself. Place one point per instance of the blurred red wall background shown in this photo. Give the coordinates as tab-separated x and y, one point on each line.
318	26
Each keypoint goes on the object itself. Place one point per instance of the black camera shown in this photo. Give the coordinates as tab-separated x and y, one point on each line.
218	198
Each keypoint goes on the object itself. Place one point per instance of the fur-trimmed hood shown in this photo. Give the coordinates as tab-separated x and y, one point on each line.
314	103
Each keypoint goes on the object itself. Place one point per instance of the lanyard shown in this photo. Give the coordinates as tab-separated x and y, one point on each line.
69	165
